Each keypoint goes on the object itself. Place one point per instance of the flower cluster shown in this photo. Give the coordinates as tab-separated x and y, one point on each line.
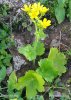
45	23
35	12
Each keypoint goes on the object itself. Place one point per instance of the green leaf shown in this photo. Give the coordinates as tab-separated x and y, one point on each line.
61	3
58	59
24	24
46	70
45	2
51	94
3	34
52	66
70	10
16	96
11	82
7	59
14	99
68	52
39	97
28	52
2	73
60	14
33	83
39	48
29	28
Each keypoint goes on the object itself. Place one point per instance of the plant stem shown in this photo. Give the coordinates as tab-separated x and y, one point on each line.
36	31
34	62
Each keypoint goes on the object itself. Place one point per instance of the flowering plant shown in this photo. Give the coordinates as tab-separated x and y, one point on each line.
35	12
49	68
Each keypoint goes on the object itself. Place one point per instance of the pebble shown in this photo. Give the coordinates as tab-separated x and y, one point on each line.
18	43
18	62
57	94
9	70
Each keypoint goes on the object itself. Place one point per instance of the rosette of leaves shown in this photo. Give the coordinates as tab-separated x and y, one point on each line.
52	66
33	83
32	51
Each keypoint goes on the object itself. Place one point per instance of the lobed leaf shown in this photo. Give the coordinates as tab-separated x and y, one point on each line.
46	70
28	52
31	51
52	66
58	59
33	83
39	48
11	82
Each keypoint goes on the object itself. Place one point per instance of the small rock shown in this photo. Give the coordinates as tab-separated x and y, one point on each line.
18	62
1	1
23	1
9	70
54	43
57	94
18	43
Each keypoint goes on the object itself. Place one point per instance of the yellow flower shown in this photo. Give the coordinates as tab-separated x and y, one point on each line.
45	23
35	10
44	10
34	5
26	8
34	14
39	8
